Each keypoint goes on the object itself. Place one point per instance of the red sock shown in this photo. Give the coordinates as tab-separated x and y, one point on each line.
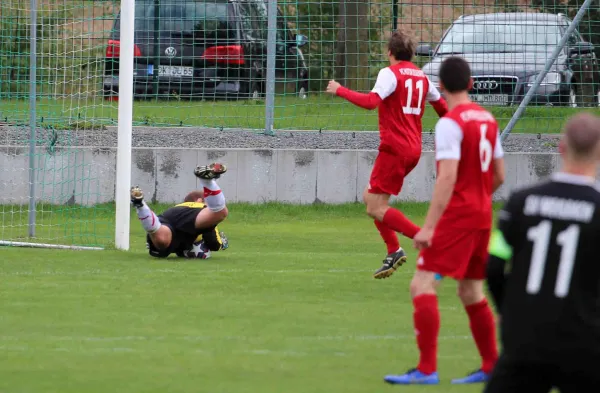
483	328
389	237
426	318
397	221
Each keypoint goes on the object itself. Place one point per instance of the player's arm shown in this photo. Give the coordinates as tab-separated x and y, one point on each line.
501	250
436	100
215	240
500	253
385	85
448	138
498	164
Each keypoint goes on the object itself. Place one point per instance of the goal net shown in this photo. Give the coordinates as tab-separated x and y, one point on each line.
54	187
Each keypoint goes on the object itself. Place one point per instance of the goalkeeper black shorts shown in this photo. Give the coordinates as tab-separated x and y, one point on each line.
181	219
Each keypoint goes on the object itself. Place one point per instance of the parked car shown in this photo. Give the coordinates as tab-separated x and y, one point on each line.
205	49
507	51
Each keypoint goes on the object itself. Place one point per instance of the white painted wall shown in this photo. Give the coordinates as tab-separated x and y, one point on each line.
294	176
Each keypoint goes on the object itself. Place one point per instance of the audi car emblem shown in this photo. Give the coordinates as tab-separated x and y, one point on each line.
487	85
170	51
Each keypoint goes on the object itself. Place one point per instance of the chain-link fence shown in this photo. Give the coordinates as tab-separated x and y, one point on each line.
203	63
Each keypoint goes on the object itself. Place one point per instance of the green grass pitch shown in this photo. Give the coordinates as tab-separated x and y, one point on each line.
290	307
314	113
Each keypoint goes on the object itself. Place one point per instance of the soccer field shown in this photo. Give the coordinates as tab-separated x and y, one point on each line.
291	306
315	113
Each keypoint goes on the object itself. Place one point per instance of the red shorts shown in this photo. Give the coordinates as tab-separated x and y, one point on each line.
457	253
389	172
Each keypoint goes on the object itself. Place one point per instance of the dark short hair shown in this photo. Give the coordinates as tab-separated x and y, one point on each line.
455	74
194	196
402	45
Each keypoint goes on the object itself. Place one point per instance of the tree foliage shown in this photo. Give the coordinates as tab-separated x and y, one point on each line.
589	27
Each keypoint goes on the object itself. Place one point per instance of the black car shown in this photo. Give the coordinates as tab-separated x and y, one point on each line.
205	49
507	51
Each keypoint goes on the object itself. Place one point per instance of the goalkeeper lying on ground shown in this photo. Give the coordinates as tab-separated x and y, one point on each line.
187	229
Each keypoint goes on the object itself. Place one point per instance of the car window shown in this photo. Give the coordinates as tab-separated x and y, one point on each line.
198	19
500	37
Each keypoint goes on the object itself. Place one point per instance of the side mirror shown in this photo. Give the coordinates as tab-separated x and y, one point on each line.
424	50
301	40
581	48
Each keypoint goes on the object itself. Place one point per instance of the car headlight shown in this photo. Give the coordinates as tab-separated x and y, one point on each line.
551	78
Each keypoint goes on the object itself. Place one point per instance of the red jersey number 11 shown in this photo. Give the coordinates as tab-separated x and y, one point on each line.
408	109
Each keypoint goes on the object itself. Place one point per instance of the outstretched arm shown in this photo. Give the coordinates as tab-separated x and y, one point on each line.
384	86
436	100
368	101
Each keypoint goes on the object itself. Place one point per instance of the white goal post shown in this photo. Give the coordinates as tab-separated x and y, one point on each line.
123	175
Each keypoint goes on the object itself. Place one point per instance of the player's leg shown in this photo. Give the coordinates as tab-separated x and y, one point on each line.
448	256
509	377
213	196
396	257
159	234
386	179
481	318
483	328
426	319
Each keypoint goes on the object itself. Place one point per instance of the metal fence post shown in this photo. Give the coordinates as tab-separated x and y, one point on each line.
538	80
156	49
32	113
270	85
394	15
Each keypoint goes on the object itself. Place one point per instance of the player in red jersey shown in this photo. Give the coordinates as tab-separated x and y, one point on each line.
454	239
400	93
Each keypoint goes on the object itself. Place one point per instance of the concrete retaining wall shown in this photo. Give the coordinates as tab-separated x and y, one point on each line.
87	175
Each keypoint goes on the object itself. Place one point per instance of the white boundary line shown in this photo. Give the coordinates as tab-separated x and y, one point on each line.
44	245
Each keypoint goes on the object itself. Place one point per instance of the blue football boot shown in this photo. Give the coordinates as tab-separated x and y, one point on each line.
413	377
475	377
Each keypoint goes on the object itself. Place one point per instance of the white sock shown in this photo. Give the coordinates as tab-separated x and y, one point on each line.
213	196
148	219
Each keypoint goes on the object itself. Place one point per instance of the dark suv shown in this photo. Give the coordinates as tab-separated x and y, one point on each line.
507	51
205	49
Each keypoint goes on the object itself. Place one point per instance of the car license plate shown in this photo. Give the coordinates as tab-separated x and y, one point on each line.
490	99
176	72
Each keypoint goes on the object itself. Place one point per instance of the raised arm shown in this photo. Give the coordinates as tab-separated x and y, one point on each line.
384	86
